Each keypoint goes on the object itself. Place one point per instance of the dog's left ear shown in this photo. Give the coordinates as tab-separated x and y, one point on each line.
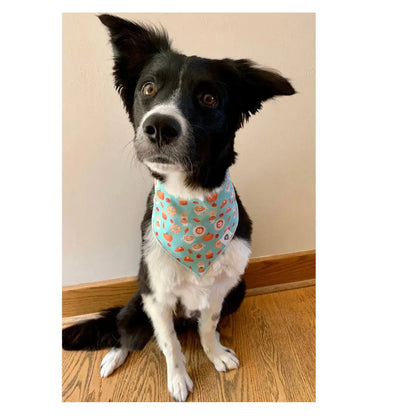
257	85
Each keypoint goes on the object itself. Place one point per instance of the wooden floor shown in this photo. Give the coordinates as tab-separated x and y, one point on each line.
272	334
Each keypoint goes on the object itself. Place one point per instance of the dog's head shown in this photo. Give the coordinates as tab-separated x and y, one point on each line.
185	109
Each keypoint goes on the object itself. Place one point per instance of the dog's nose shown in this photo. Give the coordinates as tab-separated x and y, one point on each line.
161	129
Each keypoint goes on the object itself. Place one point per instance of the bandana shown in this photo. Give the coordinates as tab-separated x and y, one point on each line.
195	231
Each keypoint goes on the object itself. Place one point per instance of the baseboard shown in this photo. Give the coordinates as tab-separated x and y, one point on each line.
262	275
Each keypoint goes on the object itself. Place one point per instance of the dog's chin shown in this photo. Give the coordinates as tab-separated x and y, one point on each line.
162	165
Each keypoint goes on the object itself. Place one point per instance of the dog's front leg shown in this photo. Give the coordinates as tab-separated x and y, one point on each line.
222	357
161	315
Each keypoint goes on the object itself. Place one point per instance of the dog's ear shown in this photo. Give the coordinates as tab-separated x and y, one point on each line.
133	45
257	85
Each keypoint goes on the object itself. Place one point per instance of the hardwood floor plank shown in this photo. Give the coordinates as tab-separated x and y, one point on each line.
272	334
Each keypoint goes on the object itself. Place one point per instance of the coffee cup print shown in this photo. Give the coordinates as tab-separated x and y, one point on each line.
212	216
184	218
200	267
209	254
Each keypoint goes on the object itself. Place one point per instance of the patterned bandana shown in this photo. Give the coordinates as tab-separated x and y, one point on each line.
195	231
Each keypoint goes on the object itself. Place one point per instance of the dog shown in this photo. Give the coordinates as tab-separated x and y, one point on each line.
196	233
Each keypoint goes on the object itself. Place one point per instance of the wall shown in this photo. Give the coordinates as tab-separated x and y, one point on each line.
104	188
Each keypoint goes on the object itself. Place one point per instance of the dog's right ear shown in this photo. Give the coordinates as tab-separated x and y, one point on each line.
133	45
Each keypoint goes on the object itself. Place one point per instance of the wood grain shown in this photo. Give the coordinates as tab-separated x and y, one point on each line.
272	334
272	273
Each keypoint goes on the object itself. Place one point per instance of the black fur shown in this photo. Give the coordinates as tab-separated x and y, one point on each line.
134	325
93	334
134	45
144	54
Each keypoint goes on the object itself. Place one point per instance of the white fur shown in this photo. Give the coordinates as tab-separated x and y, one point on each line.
164	168
114	359
160	313
169	281
168	108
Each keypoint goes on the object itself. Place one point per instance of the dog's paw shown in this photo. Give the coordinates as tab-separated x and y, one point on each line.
114	359
224	359
179	385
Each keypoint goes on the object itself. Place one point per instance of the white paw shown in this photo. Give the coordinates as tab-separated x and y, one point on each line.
224	359
179	384
114	359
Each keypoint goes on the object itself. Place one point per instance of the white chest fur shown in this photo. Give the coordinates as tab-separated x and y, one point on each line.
169	280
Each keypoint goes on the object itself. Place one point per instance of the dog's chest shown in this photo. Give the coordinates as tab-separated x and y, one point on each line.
170	281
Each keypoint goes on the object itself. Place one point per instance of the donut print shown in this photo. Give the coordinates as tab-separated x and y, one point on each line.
193	230
218	244
171	211
175	228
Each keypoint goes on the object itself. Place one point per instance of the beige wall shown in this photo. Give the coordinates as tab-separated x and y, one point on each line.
104	190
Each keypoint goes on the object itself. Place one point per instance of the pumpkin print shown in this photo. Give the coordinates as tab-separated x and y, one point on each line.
191	229
167	237
208	237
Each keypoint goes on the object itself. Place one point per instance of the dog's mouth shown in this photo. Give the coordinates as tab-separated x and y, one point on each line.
160	159
162	164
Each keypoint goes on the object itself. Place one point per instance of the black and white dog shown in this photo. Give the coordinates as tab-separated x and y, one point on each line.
185	111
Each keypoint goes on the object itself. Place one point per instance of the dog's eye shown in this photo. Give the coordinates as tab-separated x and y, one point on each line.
209	100
149	89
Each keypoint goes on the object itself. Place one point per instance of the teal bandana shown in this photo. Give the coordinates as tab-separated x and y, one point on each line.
195	231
